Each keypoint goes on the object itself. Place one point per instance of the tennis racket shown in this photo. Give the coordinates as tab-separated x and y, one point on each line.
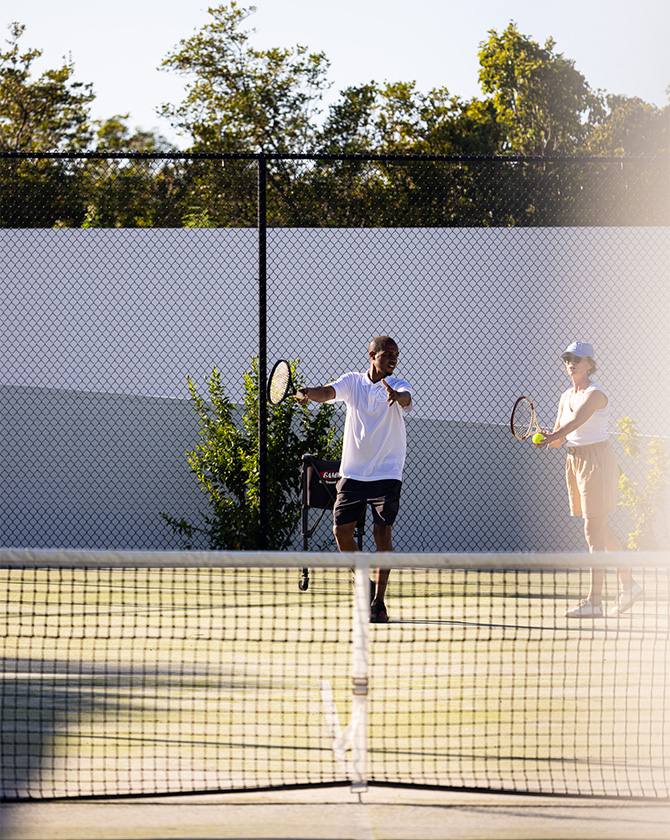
523	421
280	383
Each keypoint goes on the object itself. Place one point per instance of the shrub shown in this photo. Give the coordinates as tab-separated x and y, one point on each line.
226	464
644	497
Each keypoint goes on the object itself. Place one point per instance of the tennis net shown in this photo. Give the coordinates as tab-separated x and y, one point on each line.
147	673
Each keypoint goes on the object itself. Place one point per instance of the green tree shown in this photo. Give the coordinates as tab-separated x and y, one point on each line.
225	463
132	192
631	193
451	126
543	103
114	135
397	118
242	98
49	113
349	125
45	114
644	498
629	126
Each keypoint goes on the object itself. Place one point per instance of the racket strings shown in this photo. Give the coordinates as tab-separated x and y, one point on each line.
523	419
279	384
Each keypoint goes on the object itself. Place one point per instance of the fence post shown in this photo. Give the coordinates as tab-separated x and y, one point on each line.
262	356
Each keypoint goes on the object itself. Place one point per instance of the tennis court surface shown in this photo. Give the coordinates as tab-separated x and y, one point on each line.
335	814
204	695
134	674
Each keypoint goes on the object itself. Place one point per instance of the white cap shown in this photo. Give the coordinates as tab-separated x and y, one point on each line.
580	348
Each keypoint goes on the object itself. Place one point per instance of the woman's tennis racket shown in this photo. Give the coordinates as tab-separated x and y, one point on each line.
523	421
280	383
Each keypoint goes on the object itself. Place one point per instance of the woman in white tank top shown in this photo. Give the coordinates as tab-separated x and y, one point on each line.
591	472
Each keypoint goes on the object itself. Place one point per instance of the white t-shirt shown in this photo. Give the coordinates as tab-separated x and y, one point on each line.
596	428
374	432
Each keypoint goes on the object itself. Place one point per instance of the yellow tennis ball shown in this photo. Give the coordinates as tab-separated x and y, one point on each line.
538	437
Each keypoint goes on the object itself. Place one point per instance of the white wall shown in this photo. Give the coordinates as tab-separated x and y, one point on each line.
100	328
480	314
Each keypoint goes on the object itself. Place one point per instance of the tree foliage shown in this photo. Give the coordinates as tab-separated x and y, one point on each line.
225	463
45	114
51	114
243	98
540	97
629	126
240	98
397	118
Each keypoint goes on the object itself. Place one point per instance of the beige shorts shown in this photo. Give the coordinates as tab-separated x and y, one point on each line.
592	476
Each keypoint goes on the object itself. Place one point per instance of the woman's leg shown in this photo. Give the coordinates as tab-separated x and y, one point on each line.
595	531
600	537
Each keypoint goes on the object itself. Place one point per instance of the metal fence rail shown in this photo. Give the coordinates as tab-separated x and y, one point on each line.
123	274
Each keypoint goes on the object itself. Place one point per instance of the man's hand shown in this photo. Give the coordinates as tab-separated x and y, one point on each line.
301	397
401	397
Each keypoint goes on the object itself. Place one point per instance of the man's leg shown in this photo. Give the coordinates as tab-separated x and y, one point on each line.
344	536
349	502
385	505
383	542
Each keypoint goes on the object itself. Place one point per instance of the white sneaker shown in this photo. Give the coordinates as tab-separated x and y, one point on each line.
626	599
585	609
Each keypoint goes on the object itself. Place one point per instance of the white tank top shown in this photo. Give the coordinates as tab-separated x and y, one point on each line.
596	428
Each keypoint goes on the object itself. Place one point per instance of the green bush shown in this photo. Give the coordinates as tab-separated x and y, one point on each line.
645	498
226	464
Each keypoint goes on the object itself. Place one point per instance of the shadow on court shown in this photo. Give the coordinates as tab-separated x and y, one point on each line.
82	728
35	722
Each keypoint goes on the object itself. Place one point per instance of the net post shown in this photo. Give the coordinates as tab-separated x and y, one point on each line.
359	674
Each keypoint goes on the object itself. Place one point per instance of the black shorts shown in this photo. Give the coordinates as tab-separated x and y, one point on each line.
353	495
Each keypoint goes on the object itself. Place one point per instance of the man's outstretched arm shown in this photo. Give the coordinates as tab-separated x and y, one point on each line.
320	394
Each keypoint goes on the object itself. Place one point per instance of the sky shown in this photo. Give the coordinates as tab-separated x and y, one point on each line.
619	46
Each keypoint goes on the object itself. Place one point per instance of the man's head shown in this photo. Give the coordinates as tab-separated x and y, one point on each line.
383	352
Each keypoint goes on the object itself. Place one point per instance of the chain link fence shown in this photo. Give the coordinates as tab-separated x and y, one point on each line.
123	275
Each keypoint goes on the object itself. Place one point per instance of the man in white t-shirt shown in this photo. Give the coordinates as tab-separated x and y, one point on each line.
373	451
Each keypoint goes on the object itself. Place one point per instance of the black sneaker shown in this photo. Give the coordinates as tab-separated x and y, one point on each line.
378	614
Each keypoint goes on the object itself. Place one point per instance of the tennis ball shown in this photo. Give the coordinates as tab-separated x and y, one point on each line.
538	437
